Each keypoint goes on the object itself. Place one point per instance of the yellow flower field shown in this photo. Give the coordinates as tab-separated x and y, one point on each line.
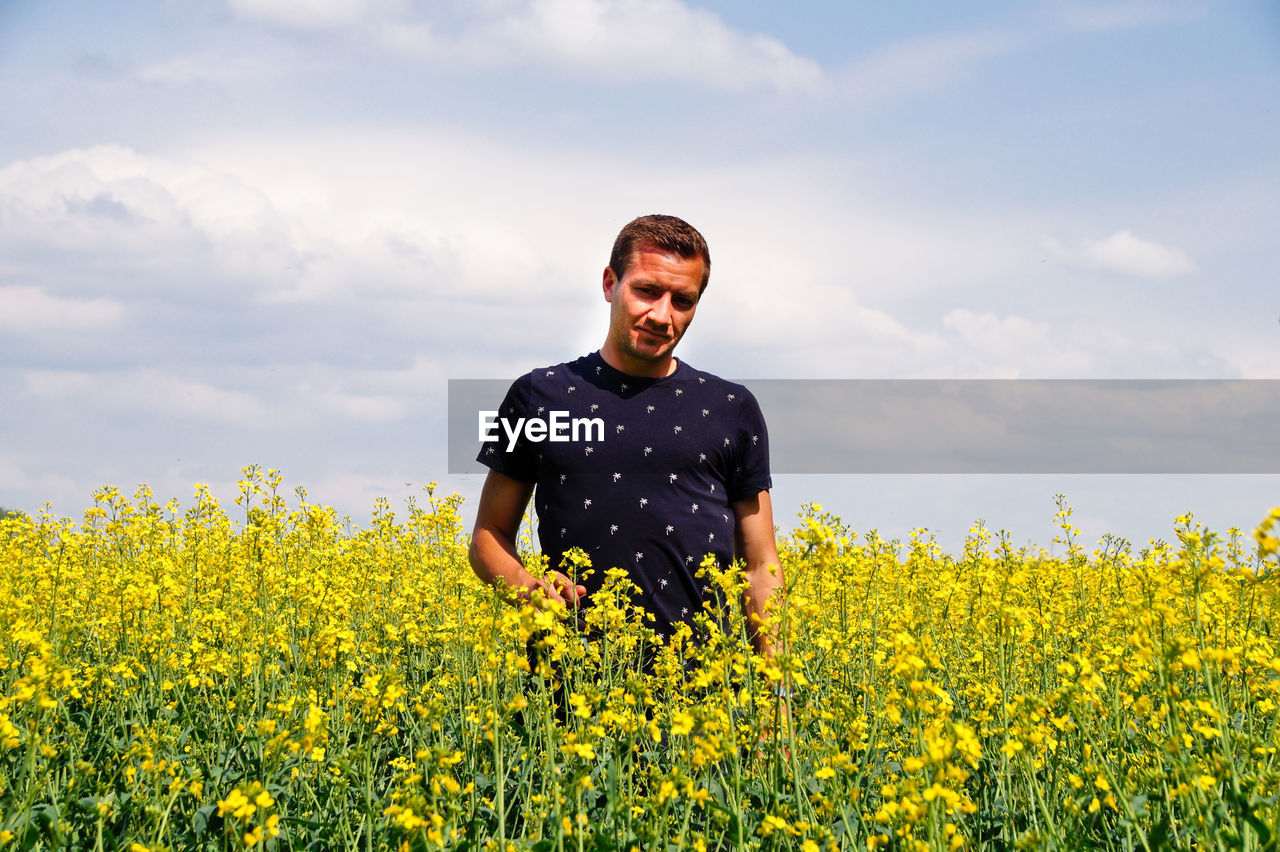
173	678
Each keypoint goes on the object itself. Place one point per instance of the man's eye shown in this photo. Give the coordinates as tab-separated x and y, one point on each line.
684	304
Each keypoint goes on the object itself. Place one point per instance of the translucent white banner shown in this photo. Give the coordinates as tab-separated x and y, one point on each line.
981	426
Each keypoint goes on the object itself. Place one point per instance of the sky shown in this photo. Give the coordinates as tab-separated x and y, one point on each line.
270	231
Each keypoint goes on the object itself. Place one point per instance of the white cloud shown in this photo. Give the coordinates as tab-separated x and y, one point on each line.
1009	333
149	391
1123	253
790	322
988	344
208	68
627	40
413	38
110	206
59	489
57	384
307	14
920	64
1112	16
415	262
930	62
261	398
30	311
999	346
1252	356
646	39
370	408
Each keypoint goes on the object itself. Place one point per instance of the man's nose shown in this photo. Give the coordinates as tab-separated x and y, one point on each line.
660	310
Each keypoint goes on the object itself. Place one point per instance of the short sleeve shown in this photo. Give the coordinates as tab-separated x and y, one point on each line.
750	475
518	462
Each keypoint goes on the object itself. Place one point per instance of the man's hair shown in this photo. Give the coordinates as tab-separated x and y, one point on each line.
664	233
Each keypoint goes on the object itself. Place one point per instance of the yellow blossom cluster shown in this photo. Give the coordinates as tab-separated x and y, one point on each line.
175	678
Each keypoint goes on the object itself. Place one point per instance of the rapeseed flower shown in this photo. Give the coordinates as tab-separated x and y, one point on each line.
374	686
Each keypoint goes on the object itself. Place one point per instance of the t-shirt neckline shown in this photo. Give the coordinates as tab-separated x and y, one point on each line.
617	375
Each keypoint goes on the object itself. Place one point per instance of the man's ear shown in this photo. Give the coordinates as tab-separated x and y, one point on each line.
610	281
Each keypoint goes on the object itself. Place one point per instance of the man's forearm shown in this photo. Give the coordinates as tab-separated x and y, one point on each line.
754	543
765	587
495	561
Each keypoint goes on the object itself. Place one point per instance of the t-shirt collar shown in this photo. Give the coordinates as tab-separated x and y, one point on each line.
618	378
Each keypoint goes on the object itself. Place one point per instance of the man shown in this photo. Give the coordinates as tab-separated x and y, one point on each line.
671	464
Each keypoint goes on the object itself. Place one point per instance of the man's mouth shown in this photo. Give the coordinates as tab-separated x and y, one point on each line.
654	334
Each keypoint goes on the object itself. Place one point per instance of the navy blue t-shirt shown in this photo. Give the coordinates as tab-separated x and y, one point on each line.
646	482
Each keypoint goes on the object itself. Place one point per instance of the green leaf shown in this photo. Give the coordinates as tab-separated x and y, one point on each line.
200	822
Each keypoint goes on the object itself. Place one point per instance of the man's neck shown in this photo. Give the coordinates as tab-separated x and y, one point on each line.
635	367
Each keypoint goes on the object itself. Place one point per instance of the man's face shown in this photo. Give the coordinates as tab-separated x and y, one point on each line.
649	310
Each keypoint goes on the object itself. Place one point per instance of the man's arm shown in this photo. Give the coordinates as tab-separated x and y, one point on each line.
753	538
493	554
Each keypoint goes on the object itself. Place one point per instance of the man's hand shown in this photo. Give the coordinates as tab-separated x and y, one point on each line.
554	587
493	554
